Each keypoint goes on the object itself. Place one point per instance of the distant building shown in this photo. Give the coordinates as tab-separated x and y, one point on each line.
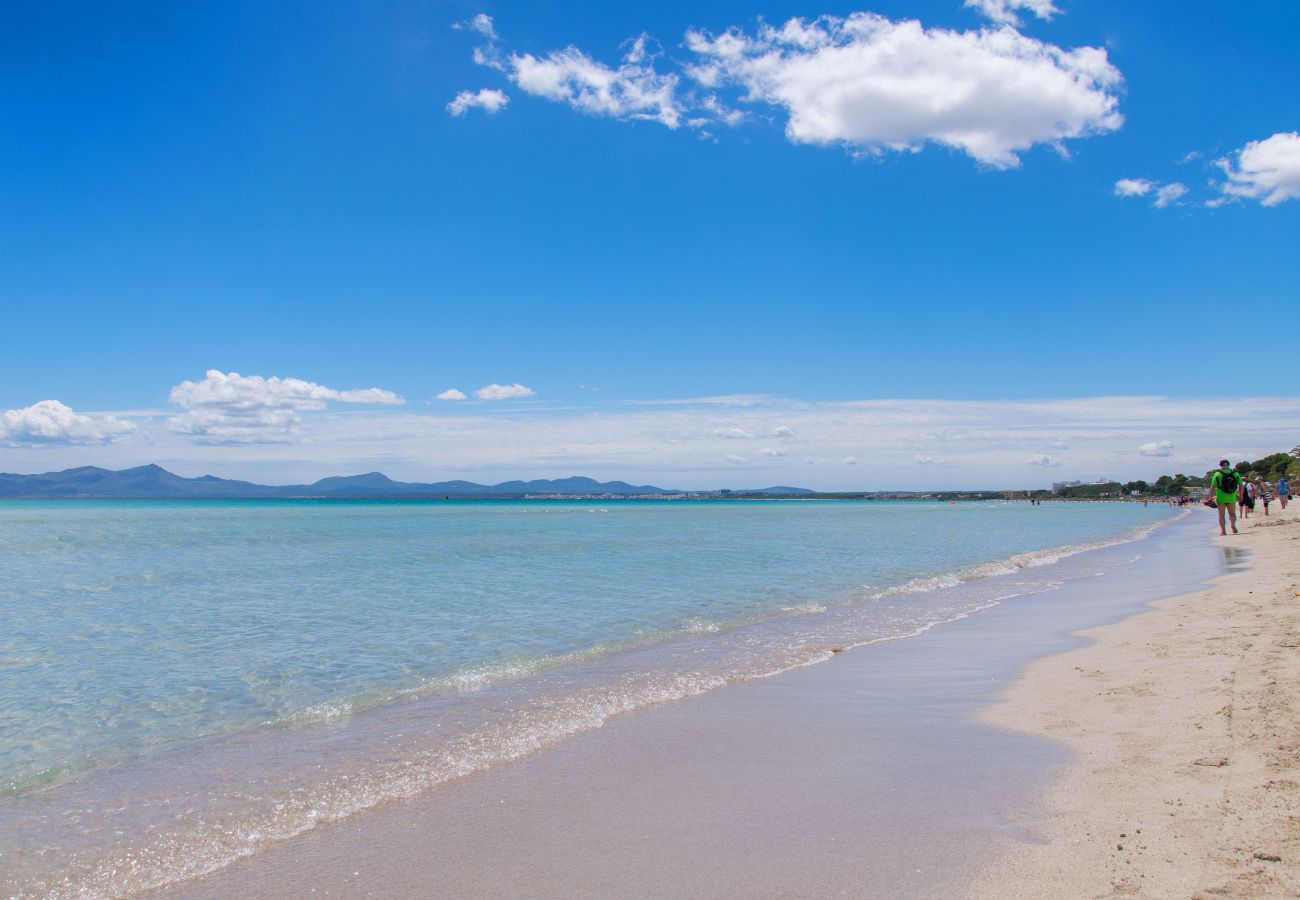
1059	486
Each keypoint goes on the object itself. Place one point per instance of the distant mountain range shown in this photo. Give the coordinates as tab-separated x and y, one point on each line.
155	482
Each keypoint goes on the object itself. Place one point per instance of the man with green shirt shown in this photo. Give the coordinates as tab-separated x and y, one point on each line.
1224	483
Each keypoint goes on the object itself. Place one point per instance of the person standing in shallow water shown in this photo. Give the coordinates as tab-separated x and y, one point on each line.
1225	482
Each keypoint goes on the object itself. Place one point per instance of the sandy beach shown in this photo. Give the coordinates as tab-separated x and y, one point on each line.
1002	755
1185	726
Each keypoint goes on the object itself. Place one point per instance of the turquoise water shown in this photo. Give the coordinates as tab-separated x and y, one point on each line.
134	634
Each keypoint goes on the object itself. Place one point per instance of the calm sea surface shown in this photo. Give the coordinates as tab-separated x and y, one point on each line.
239	671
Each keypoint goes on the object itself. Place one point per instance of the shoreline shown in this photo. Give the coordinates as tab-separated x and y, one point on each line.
856	759
323	763
1185	732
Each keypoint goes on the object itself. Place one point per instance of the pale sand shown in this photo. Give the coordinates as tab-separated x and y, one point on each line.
1185	723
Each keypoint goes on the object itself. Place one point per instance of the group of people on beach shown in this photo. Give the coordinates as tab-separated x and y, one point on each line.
1233	490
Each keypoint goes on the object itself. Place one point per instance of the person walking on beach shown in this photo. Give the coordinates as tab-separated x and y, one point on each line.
1225	482
1263	491
1283	490
1245	498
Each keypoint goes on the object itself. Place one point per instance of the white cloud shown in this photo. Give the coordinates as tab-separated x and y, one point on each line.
872	84
633	90
503	392
782	431
733	433
772	452
482	23
717	400
51	422
863	82
1042	459
850	461
1157	448
234	408
1003	11
1267	170
971	444
1169	193
1133	187
490	100
1165	194
452	394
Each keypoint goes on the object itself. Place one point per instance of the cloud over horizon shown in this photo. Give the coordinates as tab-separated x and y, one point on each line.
52	422
903	444
233	408
504	392
1157	448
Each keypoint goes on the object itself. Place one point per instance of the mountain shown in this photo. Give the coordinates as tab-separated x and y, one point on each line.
780	489
155	482
142	481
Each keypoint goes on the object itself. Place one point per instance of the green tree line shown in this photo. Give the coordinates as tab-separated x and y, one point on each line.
1271	468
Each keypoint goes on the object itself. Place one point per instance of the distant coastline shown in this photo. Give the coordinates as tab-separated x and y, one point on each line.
152	482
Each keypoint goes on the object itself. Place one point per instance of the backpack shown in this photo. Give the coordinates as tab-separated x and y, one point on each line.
1229	481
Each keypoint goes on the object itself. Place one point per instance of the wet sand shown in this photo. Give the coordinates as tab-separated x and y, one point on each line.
871	775
1184	723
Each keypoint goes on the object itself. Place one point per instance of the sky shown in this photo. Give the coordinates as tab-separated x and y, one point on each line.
959	243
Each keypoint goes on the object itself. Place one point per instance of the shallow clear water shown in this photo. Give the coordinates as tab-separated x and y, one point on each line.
150	649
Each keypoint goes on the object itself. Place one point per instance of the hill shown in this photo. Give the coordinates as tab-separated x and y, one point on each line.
155	482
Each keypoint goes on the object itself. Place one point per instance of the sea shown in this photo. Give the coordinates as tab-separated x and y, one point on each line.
185	683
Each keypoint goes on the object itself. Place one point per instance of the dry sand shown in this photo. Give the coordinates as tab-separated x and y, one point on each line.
1185	722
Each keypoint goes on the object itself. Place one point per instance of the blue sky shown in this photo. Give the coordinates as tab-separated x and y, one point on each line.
280	190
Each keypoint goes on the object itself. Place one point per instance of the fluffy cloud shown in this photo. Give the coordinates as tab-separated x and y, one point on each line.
490	100
482	23
452	394
1042	459
1004	11
51	422
503	392
234	408
782	431
1267	170
873	85
1165	194
771	452
1133	187
633	90
733	433
1169	193
863	82
1157	448
850	461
